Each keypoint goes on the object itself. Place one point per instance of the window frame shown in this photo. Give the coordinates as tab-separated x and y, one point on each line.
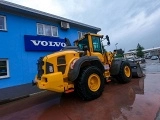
56	31
7	62
5	23
80	34
44	30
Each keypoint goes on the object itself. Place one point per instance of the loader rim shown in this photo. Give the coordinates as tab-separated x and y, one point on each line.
94	82
127	71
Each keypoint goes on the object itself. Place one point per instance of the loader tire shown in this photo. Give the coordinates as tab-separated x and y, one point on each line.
137	72
125	73
90	84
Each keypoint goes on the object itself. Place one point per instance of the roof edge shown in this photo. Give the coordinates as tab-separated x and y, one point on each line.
17	6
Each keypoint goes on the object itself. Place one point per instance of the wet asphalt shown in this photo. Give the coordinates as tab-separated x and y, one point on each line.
137	100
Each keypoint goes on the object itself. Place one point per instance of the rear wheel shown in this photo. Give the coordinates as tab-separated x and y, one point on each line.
90	84
125	73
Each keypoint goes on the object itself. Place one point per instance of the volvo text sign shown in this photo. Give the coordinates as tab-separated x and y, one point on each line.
43	43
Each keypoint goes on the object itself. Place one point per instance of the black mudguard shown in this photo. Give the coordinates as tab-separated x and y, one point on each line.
84	61
115	67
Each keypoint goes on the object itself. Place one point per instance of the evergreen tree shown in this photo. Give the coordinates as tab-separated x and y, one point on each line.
139	49
119	53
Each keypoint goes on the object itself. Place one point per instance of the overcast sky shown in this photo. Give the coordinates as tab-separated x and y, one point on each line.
127	22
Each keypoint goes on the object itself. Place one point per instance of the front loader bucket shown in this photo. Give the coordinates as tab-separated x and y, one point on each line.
136	70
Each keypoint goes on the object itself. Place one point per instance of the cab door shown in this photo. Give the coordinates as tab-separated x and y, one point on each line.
96	48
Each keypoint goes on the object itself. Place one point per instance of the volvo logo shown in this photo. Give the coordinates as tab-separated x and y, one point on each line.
43	43
48	43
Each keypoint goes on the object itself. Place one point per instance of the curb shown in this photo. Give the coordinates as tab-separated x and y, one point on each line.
5	101
13	99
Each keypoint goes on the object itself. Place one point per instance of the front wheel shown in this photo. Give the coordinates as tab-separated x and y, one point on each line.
125	73
90	84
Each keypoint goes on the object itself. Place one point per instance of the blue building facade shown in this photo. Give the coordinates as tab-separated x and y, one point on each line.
25	35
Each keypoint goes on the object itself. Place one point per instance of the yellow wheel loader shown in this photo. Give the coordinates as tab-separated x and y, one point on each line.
83	68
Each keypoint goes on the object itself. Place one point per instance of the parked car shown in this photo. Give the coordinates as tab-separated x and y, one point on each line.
148	57
139	60
154	57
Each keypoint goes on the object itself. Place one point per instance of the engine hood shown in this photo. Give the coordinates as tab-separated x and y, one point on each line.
61	53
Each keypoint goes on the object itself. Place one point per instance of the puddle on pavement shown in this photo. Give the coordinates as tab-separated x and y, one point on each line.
136	100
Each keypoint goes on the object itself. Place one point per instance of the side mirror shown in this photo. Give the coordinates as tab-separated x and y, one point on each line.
107	37
108	41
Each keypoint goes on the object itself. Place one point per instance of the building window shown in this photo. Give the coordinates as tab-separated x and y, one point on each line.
80	34
47	30
4	68
2	22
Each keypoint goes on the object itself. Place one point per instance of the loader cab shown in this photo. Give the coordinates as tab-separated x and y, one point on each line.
91	44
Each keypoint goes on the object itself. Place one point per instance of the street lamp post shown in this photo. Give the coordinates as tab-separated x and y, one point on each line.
116	46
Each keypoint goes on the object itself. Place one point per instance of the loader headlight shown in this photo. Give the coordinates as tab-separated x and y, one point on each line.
49	68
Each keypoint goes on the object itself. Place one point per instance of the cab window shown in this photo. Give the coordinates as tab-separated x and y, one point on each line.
82	43
96	44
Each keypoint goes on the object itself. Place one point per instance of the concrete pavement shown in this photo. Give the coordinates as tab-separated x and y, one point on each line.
137	100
